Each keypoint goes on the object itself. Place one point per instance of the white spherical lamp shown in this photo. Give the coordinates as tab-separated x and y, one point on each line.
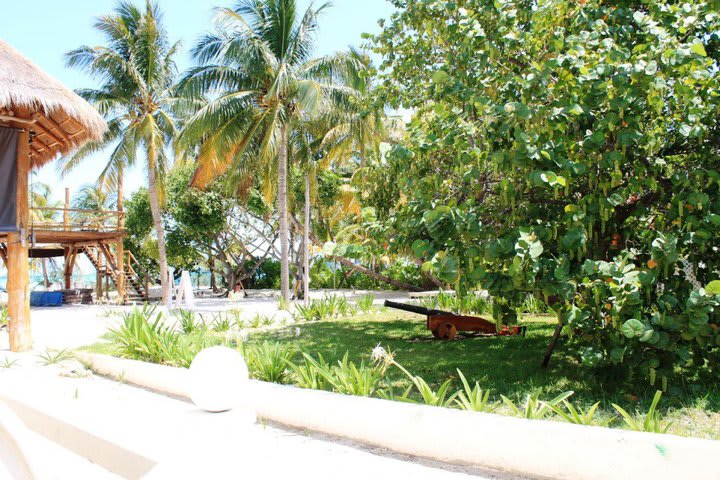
218	379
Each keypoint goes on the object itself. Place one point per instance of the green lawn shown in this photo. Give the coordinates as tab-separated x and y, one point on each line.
506	365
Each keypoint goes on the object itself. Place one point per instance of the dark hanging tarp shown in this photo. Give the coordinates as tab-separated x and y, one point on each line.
8	179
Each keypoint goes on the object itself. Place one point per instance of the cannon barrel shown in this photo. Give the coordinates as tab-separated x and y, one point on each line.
414	308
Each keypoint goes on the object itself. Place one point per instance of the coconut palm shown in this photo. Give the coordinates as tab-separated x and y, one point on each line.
257	71
360	127
94	197
43	211
137	72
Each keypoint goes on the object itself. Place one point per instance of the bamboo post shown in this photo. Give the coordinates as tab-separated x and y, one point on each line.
66	212
18	283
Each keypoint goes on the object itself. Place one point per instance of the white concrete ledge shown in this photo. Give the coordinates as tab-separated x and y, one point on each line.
526	447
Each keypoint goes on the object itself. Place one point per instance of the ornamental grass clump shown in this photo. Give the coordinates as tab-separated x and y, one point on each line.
307	374
365	303
143	335
268	361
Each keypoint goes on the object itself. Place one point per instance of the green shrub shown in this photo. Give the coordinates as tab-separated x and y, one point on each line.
330	306
365	303
222	322
651	423
578	416
144	336
534	408
268	361
307	374
474	398
348	378
188	321
4	316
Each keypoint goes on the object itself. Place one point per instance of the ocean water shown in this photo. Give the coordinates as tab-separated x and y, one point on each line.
36	281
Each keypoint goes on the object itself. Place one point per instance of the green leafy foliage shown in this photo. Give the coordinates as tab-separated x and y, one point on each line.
534	408
571	414
474	398
144	335
651	423
54	357
330	306
268	361
365	303
307	374
565	151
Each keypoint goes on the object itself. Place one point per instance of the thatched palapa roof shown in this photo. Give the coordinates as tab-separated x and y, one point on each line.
58	119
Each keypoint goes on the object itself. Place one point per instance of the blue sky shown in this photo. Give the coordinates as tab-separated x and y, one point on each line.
44	30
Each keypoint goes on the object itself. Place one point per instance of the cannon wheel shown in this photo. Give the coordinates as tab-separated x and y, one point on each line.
446	331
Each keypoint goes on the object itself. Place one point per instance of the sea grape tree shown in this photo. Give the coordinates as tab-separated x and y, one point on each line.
570	150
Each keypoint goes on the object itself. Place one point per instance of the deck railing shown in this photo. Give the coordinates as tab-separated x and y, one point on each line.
76	220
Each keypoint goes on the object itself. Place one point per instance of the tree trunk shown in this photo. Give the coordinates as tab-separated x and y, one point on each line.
369	272
306	243
378	276
211	267
283	214
46	280
159	229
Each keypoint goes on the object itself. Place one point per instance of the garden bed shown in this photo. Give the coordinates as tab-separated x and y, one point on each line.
419	366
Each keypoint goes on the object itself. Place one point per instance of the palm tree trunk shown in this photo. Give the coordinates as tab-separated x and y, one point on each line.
283	214
306	242
159	229
46	280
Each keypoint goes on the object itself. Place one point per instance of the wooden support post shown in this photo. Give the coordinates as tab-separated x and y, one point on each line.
18	283
70	256
99	281
119	249
120	254
3	254
66	212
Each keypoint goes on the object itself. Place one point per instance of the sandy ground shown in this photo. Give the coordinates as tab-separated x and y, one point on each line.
73	326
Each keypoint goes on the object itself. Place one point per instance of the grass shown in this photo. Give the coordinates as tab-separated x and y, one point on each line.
503	365
501	374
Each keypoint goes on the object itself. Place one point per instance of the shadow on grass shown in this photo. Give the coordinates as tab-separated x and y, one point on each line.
506	365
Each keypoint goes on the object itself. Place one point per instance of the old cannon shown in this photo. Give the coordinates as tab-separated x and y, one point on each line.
446	325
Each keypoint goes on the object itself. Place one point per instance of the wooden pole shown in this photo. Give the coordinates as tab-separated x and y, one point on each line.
119	248
66	212
18	284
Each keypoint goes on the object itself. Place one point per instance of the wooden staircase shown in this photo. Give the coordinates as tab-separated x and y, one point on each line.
105	262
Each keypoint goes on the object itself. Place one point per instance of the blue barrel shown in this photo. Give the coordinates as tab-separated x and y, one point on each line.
46	299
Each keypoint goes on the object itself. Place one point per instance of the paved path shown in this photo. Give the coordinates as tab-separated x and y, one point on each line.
184	442
187	443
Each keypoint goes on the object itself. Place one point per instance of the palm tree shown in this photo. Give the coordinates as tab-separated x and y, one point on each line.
257	71
362	125
94	197
137	72
43	211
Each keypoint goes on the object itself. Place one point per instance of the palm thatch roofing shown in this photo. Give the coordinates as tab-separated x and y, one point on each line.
59	120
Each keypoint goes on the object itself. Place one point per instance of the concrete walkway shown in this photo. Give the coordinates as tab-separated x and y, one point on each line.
179	440
168	438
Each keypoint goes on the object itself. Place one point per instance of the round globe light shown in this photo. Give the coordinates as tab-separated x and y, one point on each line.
218	379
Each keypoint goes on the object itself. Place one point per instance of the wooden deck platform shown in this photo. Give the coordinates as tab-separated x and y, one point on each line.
98	235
